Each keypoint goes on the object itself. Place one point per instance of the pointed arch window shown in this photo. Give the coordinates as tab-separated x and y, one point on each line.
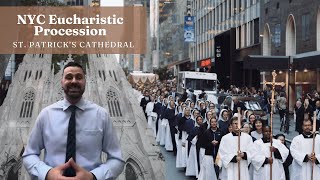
104	75
114	75
25	76
99	73
133	171
27	104
36	75
113	103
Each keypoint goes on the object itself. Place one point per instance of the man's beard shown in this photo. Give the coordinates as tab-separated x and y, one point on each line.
73	91
307	133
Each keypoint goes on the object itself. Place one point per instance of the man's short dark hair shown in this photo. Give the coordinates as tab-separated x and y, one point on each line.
306	120
233	119
73	64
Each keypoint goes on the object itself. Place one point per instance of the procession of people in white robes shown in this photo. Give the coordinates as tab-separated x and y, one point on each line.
186	128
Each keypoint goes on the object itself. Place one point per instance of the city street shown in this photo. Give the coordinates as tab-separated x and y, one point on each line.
179	174
276	128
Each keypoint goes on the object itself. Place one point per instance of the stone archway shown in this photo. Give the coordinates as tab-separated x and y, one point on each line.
290	36
266	46
133	170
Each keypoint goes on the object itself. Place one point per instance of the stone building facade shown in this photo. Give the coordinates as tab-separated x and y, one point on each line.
35	86
290	41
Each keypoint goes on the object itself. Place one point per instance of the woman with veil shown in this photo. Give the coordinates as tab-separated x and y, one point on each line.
169	115
192	162
184	124
152	116
162	123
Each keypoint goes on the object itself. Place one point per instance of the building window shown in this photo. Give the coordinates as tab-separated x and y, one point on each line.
278	5
104	75
27	105
256	30
306	27
130	173
277	35
114	75
99	74
266	11
25	76
113	104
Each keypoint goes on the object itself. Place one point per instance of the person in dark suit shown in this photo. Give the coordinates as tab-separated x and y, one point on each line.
144	101
299	111
174	93
202	96
237	104
192	96
184	96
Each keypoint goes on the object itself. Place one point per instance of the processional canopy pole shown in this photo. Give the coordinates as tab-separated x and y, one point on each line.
273	84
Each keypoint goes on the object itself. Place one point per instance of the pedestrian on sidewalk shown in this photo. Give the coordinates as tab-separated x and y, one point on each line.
299	114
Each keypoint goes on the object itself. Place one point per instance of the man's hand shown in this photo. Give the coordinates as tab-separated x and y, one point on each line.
273	149
56	173
240	156
270	159
312	157
81	174
214	142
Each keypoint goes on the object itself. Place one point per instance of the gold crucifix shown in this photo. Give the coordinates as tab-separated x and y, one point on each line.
273	83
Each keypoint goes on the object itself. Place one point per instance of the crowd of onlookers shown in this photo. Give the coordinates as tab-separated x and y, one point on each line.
193	128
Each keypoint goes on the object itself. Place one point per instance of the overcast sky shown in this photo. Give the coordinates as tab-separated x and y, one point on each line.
111	2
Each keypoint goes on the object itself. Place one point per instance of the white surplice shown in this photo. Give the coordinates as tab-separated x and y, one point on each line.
261	151
229	148
192	162
299	147
166	135
162	135
160	132
152	117
207	171
182	150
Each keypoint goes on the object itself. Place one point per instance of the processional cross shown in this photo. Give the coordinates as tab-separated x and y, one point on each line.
273	83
